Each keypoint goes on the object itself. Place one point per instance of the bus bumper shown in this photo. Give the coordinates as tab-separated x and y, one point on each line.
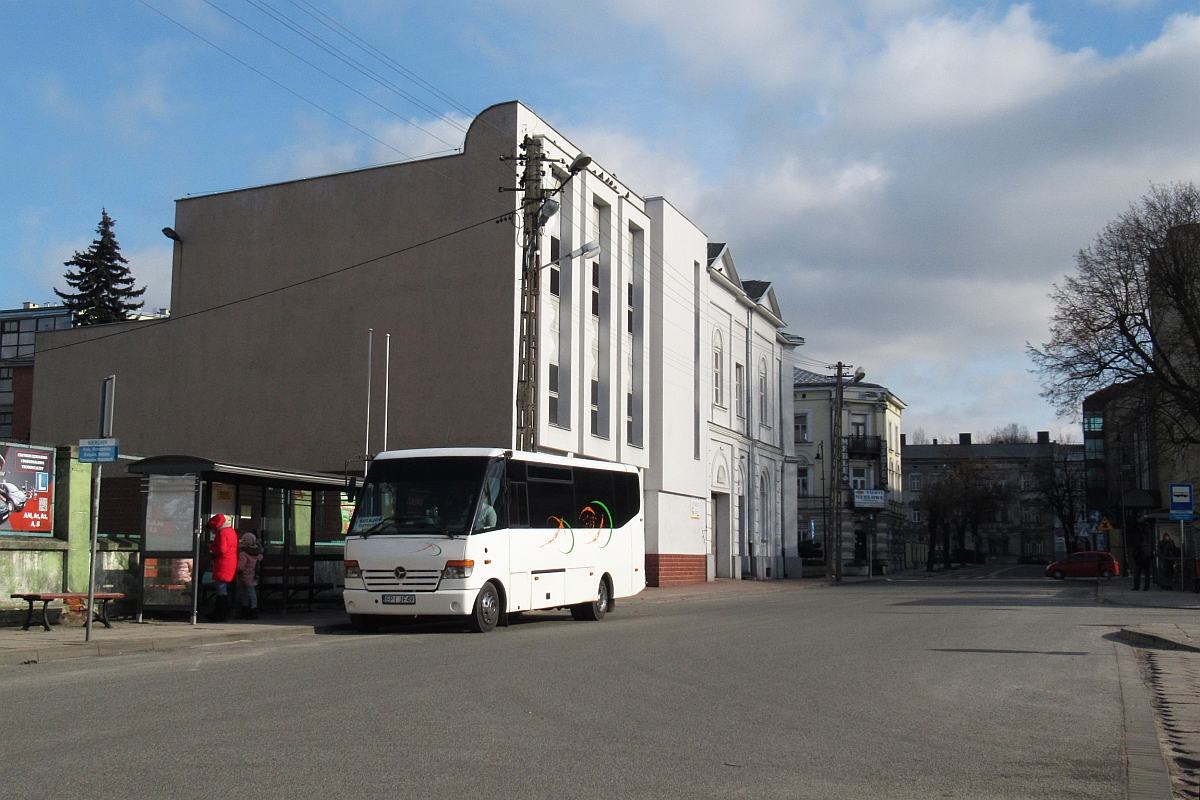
450	602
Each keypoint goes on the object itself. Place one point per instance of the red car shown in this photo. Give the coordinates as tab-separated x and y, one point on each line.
1088	564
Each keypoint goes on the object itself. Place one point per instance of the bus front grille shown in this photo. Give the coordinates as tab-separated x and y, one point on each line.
415	580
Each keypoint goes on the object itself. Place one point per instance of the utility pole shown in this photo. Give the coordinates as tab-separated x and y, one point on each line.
527	369
833	572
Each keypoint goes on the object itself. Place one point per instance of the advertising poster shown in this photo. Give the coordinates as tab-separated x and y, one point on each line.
26	489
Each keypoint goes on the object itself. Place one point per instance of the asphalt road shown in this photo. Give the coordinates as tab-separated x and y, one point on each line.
981	687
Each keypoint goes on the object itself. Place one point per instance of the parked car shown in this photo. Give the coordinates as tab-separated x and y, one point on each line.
1087	564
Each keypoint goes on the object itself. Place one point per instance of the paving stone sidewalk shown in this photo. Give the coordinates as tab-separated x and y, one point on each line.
66	641
1173	678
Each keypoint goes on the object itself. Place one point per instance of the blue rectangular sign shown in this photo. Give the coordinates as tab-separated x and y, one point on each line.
98	451
1181	501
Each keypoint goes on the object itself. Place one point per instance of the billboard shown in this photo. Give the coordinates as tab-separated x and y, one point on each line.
26	489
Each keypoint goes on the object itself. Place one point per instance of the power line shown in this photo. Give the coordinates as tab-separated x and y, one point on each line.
278	289
294	93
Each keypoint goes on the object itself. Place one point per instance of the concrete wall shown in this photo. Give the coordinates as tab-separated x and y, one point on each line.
281	380
678	470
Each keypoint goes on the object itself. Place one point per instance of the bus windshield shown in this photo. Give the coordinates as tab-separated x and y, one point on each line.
419	496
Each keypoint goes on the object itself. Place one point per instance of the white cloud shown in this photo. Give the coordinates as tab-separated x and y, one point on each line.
916	223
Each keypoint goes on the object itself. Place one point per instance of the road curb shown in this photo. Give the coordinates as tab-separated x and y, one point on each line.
115	647
1146	774
1143	639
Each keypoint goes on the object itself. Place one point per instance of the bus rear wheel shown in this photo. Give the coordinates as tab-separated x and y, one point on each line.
486	613
596	609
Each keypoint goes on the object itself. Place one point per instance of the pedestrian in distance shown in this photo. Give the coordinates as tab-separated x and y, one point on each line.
224	549
1168	554
249	557
1143	565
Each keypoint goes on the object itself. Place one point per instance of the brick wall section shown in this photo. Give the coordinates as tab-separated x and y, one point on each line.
675	569
22	383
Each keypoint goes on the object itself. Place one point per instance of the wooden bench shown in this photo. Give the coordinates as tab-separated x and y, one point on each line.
290	579
44	598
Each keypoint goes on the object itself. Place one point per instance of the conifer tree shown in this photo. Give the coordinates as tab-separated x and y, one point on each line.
103	283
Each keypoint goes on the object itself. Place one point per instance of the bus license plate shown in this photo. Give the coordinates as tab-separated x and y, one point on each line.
400	599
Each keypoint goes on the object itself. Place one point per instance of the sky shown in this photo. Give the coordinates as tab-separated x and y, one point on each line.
912	175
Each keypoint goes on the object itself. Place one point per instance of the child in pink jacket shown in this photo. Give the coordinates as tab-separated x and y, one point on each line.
249	554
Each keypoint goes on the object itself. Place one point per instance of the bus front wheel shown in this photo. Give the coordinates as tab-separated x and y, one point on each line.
596	609
486	613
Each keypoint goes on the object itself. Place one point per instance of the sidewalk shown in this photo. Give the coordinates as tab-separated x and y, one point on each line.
66	642
1183	634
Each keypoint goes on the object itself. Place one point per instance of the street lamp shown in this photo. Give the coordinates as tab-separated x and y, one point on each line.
834	574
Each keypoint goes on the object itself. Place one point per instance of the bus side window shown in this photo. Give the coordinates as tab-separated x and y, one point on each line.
518	505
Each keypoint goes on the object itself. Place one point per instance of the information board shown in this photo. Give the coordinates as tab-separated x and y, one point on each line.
170	513
26	489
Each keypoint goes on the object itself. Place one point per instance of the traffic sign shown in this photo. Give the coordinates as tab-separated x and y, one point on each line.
1181	501
98	451
1104	525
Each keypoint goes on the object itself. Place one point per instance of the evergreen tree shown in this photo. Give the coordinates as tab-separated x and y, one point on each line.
103	284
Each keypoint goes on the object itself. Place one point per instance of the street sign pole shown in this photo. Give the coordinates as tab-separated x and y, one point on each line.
108	393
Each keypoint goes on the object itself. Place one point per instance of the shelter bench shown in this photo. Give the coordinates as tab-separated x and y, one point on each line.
290	580
45	597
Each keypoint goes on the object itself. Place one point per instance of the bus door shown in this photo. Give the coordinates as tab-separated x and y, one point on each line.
520	557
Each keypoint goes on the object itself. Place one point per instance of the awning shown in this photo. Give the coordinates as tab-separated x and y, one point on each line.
192	465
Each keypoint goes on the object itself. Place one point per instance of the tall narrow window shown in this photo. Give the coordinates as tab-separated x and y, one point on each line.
629	308
739	389
595	407
718	370
595	288
555	282
801	427
552	404
629	430
763	405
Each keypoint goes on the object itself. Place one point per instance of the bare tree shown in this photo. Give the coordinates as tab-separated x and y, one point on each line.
918	437
1132	313
936	505
1012	433
1061	486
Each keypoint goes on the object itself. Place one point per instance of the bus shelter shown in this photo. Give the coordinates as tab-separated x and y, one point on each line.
299	519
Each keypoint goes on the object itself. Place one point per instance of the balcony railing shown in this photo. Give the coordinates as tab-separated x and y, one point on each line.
865	445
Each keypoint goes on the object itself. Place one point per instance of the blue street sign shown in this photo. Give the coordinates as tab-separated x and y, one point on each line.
98	451
1181	501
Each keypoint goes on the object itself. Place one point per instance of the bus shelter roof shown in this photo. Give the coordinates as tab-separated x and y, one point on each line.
235	473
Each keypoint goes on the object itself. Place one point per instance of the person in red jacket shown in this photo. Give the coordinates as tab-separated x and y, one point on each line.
224	547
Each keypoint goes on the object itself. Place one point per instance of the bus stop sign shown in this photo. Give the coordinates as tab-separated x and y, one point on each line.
1181	501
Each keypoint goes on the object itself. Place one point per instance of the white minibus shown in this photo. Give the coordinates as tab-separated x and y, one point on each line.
486	533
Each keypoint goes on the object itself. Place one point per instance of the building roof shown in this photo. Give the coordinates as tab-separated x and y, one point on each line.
714	250
802	377
756	289
953	451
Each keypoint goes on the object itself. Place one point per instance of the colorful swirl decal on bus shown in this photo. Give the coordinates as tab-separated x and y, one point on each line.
589	518
437	550
563	525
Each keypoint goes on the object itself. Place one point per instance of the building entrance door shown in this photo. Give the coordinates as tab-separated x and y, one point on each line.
722	542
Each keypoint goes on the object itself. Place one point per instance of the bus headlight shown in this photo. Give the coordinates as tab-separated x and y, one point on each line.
352	570
458	569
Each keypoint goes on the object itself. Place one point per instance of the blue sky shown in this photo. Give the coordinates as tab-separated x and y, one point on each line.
912	174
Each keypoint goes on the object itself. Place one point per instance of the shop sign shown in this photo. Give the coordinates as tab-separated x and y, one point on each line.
26	489
870	498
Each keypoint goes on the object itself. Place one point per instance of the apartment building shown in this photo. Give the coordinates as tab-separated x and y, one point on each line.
873	514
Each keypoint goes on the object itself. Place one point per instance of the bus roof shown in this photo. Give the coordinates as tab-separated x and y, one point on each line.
495	452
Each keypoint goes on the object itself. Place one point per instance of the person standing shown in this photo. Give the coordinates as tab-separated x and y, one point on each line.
1168	554
224	549
1143	565
249	557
